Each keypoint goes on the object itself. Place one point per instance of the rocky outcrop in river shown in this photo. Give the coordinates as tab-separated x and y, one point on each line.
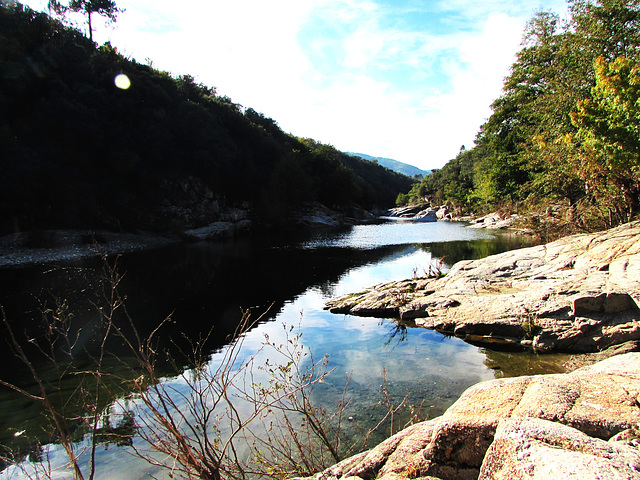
577	294
578	425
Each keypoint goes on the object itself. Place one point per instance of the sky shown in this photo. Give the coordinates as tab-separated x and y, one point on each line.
411	80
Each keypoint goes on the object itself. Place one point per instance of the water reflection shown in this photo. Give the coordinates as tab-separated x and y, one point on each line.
511	364
209	284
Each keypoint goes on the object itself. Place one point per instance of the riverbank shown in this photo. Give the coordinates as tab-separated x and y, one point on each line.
578	294
24	249
42	247
543	224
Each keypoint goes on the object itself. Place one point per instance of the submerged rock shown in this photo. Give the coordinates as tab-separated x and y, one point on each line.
577	294
535	427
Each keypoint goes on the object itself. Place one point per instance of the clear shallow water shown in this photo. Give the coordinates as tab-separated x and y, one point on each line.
207	283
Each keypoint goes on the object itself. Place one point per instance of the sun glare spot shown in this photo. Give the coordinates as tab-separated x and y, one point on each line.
122	81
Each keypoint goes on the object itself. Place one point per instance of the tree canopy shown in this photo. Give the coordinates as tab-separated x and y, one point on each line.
566	127
105	8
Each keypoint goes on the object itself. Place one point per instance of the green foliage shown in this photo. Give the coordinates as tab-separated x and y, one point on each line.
610	120
565	127
608	136
76	151
105	8
453	183
101	7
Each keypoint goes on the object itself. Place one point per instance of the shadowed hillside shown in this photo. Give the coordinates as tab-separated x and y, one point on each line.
165	154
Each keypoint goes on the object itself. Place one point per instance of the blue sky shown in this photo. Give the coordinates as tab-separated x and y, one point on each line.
411	80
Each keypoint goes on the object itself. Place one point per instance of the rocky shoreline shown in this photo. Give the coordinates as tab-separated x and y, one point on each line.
47	246
582	424
23	249
578	294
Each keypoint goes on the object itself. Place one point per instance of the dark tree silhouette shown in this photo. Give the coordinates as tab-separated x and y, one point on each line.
106	8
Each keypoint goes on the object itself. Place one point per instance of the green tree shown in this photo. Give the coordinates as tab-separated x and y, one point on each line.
609	135
106	8
527	155
606	28
516	113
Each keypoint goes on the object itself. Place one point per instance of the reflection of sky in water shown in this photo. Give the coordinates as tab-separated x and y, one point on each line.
417	361
397	233
397	268
363	347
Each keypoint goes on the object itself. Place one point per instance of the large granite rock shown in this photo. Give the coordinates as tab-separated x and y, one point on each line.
531	448
580	294
538	427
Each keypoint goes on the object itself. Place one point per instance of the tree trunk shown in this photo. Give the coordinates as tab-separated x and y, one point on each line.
89	22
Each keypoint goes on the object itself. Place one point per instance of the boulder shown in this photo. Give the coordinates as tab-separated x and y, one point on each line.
428	215
416	212
532	448
315	214
443	212
577	294
524	427
494	221
405	212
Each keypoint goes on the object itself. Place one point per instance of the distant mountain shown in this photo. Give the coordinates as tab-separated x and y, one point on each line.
394	165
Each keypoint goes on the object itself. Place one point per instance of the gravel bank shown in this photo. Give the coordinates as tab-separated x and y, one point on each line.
42	247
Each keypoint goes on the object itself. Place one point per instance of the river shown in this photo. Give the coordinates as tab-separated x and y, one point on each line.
286	279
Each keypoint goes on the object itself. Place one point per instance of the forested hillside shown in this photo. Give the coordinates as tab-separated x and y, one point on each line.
567	126
77	151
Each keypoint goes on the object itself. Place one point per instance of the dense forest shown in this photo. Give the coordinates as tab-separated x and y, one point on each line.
77	151
566	129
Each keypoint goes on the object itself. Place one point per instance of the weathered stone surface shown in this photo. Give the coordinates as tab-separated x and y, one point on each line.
502	426
315	214
531	448
419	213
494	221
580	293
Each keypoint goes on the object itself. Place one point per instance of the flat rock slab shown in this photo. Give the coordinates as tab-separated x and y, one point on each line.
577	294
542	427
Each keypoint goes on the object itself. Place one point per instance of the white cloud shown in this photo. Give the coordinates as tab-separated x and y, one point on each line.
358	111
362	47
369	77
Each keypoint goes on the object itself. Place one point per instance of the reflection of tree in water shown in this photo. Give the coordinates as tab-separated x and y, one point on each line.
397	330
121	435
475	249
515	364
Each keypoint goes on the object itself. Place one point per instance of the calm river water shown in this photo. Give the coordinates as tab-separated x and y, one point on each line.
207	284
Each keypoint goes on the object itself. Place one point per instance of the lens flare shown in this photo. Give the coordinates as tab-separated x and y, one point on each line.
122	81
